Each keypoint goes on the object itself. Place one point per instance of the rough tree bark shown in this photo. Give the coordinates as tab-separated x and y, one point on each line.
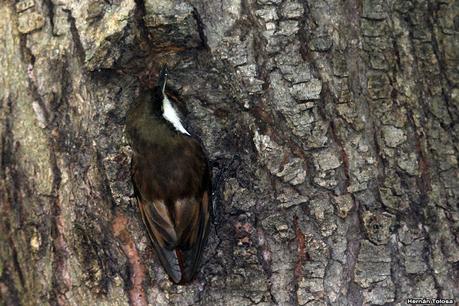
332	127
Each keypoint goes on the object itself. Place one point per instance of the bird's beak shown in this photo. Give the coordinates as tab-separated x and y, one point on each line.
162	78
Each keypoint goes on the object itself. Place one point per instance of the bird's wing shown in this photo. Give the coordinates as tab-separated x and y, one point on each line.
179	241
161	230
192	223
178	229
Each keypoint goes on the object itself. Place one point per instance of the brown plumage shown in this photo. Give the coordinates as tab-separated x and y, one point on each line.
172	184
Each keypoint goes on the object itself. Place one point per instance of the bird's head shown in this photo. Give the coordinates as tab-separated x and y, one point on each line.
159	94
161	84
162	106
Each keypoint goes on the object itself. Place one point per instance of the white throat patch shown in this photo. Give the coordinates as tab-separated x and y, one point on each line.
171	115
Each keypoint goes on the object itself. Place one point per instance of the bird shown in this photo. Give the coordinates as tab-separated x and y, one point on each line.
172	182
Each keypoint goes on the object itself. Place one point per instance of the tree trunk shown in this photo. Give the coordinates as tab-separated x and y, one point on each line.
332	128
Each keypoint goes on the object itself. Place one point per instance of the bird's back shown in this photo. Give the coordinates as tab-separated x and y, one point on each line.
174	169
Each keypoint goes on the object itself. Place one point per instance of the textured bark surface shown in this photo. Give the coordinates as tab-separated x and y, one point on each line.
332	127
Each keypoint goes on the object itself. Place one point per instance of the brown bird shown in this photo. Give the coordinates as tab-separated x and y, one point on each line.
172	182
